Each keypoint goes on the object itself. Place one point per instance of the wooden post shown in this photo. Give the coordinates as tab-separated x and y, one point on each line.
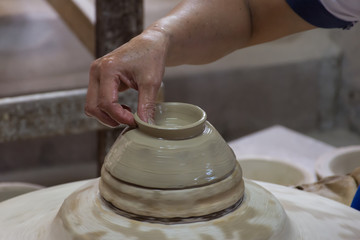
116	23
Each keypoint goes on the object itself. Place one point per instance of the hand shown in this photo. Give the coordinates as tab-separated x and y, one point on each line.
138	64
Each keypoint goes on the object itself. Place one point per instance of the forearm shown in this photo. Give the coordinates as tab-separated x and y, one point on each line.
199	31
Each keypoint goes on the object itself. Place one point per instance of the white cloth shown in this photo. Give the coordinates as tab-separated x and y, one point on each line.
347	10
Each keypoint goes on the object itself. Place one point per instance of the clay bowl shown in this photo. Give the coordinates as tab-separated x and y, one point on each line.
13	189
341	161
179	150
181	158
273	171
174	188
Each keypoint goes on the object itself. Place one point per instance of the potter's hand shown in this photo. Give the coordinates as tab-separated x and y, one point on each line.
138	64
194	32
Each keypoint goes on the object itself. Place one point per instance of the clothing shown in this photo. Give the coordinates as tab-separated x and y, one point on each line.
347	10
328	13
356	202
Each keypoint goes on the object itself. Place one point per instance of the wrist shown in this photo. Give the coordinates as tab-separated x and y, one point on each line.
160	33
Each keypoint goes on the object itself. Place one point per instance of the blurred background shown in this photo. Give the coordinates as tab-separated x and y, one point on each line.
307	82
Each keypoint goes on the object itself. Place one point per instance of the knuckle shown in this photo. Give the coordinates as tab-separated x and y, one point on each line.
151	81
102	64
89	111
94	66
107	63
148	79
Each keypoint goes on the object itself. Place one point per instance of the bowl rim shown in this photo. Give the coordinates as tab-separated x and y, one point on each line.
307	176
179	132
322	165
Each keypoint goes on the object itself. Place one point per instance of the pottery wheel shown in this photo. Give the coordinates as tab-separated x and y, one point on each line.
85	215
173	179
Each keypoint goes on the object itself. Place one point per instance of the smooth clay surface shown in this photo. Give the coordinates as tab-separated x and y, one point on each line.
260	216
341	161
151	161
309	217
273	171
175	121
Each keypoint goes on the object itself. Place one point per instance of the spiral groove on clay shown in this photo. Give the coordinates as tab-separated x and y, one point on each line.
181	203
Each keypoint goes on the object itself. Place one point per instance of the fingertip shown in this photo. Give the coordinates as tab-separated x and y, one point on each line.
120	114
104	119
146	107
127	110
128	118
147	114
142	116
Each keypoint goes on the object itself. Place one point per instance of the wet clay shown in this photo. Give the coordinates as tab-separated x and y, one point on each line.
177	172
259	213
142	158
338	188
76	211
167	187
174	203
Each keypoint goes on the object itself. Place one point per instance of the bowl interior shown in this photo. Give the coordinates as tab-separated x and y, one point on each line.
174	121
177	115
272	171
345	163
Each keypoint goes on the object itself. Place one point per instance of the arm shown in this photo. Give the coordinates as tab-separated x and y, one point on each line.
203	31
195	32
